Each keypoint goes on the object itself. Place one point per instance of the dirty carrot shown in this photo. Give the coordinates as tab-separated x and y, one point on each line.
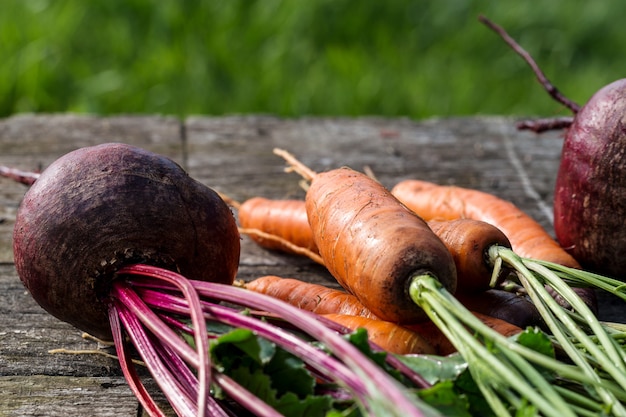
371	243
280	225
331	302
391	337
320	299
340	208
468	241
347	310
285	218
287	223
308	296
528	238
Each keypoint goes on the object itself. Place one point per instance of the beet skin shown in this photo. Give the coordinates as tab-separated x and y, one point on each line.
590	195
99	208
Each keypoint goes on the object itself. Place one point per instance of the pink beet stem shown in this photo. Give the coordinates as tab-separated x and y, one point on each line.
128	367
378	384
23	177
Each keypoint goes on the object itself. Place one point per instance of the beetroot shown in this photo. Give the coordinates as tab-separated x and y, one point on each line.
590	195
99	208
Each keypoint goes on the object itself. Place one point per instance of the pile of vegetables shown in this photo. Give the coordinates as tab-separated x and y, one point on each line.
515	379
154	278
124	245
455	302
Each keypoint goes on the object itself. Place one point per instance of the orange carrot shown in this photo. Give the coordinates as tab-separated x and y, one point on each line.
468	241
316	298
501	326
320	299
284	218
371	243
494	307
331	303
280	225
441	343
389	336
528	238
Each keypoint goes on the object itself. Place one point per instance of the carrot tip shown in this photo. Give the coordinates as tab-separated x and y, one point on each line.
295	165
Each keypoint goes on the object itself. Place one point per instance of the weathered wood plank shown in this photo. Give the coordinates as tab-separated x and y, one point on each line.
473	152
60	396
39	395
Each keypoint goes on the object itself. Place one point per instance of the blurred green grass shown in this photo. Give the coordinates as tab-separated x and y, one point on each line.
292	58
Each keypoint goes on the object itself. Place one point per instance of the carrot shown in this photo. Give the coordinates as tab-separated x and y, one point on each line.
320	299
284	218
308	296
418	338
442	344
287	221
327	301
468	241
528	238
371	243
391	337
357	227
280	225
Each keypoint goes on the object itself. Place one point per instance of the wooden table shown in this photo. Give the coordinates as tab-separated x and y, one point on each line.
234	156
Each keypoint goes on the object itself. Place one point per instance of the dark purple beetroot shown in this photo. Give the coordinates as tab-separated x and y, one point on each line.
590	195
505	305
102	207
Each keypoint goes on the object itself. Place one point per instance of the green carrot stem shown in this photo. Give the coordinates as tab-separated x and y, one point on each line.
610	356
570	372
560	323
584	404
509	370
566	344
566	371
586	278
615	353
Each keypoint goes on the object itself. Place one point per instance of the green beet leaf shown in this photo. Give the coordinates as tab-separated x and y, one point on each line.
271	373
